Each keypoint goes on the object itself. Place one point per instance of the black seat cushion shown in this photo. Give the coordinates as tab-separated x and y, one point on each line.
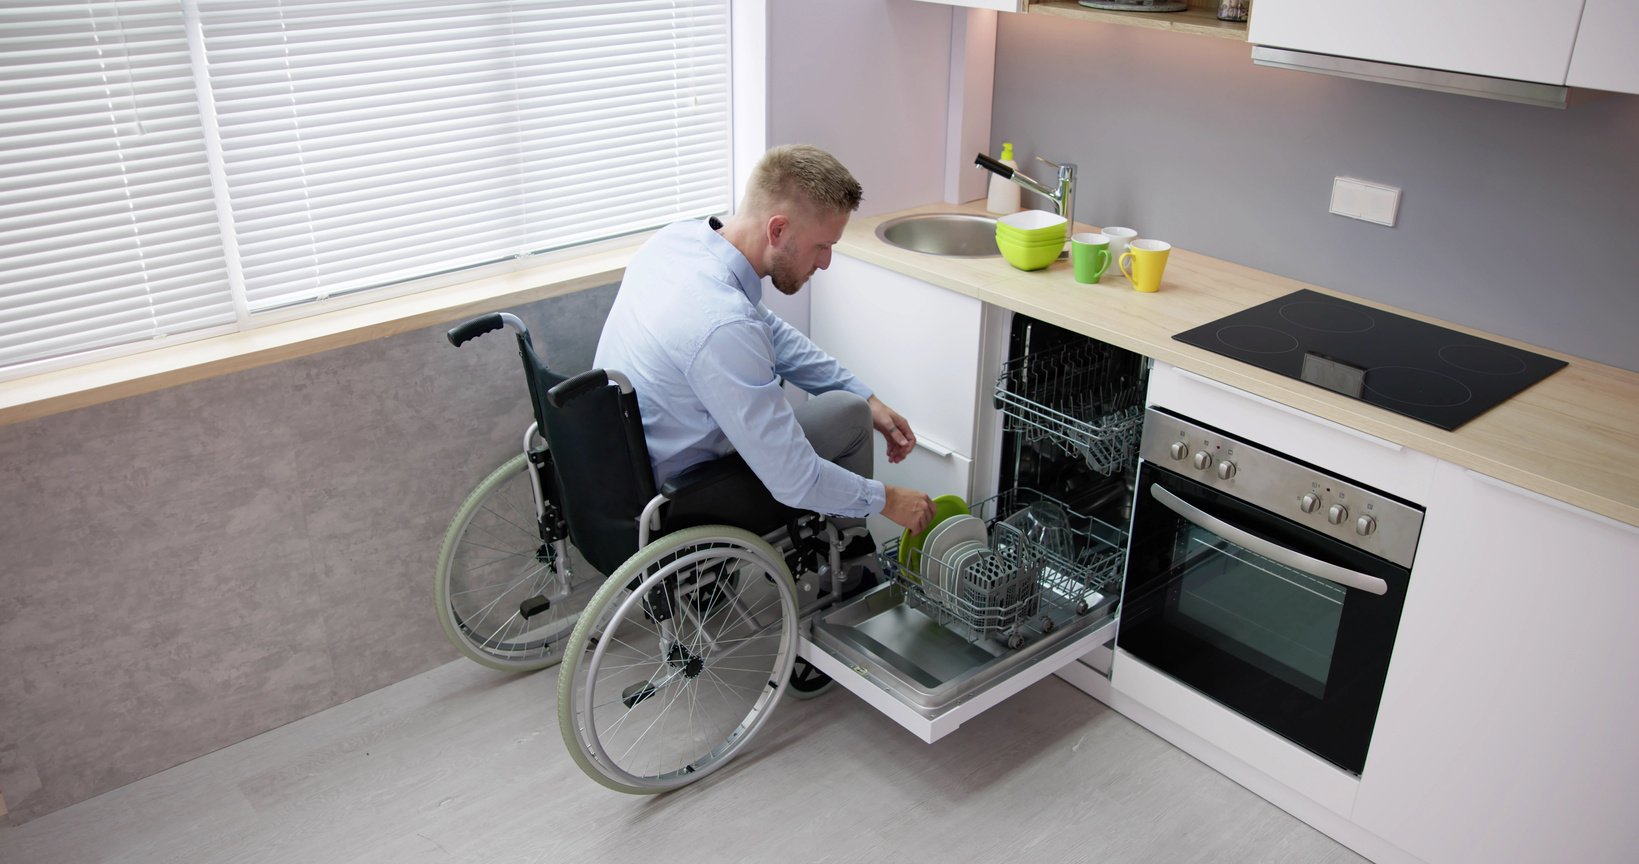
723	491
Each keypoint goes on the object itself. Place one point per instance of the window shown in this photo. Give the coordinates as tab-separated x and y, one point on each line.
178	169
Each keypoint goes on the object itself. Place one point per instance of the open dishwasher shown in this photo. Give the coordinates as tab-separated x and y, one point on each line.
957	629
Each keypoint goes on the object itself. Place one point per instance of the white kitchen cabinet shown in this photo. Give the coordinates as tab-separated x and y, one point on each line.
915	344
918	347
1528	40
1506	731
1604	57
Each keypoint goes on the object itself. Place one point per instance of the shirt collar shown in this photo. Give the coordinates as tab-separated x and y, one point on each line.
749	283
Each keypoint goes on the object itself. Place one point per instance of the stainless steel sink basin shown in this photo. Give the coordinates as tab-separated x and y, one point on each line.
955	235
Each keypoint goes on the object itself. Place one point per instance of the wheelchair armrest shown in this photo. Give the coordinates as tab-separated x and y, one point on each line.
568	390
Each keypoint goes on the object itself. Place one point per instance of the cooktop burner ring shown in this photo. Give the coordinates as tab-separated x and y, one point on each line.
1327	317
1483	359
1412	385
1257	339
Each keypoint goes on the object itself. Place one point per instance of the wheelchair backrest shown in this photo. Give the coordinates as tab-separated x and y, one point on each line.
595	433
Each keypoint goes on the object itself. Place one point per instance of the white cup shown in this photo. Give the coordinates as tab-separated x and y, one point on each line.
1119	238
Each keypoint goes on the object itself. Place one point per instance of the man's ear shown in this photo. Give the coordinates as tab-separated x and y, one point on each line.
776	228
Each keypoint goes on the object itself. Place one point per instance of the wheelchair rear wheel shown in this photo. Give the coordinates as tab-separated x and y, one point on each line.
503	596
678	660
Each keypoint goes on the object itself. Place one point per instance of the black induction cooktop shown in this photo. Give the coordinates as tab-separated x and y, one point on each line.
1410	367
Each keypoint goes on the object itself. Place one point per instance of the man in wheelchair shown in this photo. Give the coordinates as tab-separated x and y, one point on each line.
707	359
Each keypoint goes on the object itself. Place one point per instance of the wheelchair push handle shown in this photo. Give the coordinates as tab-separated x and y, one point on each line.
472	329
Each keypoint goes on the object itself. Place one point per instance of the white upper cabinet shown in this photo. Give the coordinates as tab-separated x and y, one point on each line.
1605	57
1528	40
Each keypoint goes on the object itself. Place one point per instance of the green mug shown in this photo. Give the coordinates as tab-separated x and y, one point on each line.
1090	257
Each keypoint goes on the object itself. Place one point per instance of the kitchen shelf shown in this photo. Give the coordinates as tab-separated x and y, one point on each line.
1200	20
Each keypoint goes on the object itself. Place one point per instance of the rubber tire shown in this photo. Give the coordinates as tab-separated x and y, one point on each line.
441	582
577	650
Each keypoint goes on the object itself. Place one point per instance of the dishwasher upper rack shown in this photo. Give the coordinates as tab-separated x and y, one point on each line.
1032	594
1084	398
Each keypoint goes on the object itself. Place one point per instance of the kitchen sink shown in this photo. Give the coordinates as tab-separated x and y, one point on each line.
954	235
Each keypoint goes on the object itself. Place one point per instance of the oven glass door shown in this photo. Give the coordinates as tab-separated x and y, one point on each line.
1265	631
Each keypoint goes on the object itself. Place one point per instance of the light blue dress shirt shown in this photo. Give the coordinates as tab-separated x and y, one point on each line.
706	359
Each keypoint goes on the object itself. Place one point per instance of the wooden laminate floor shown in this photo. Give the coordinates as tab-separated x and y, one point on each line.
461	764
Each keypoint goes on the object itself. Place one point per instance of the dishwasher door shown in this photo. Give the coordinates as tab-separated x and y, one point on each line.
953	633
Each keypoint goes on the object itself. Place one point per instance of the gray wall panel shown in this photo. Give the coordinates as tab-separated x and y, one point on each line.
1513	219
188	568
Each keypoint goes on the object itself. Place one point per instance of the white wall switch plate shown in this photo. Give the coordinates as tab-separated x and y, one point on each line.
1364	200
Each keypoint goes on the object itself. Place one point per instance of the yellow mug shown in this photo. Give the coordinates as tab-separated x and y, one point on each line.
1143	262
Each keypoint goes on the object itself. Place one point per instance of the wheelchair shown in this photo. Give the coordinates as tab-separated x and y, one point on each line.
674	661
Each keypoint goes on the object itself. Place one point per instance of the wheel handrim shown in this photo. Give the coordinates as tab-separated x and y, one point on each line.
707	702
497	561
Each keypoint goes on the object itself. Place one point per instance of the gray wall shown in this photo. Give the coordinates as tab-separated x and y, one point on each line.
866	80
186	569
1517	220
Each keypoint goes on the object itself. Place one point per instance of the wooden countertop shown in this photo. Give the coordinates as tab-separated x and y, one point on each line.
1573	437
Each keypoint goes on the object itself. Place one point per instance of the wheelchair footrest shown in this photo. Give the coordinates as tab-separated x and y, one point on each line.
534	606
635	693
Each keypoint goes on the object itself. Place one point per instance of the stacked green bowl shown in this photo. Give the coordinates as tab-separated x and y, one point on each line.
1031	239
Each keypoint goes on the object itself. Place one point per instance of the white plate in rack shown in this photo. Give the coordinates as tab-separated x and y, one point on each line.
944	539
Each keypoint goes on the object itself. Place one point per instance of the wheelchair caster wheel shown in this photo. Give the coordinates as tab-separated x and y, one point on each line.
807	681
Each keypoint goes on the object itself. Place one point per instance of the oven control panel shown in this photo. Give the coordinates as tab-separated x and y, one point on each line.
1358	515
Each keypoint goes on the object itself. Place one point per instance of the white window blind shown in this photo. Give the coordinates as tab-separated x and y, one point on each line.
356	145
108	231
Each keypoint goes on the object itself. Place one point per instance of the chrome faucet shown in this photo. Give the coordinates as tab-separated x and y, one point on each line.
1063	197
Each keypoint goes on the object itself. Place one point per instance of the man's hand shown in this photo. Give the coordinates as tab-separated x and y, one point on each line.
896	430
908	508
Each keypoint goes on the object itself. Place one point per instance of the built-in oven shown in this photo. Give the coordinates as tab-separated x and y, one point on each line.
1265	583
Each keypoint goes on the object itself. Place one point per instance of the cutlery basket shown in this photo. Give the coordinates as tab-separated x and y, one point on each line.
1028	585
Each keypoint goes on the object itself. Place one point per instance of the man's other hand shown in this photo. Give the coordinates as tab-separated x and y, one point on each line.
895	429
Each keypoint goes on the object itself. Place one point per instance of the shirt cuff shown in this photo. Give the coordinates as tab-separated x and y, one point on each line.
876	496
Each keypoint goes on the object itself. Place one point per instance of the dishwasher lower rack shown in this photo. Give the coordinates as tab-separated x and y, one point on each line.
1028	585
1084	398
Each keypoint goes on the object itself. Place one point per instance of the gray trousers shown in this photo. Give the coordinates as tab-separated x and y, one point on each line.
838	424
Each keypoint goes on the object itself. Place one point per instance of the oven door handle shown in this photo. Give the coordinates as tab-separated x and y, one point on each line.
1274	552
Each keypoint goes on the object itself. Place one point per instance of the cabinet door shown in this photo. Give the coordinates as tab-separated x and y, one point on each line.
916	345
1506	731
1529	40
1604	57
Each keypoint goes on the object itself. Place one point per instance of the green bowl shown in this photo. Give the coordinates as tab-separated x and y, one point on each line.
1051	234
1042	241
1029	257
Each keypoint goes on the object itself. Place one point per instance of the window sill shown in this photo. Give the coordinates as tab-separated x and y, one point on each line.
63	390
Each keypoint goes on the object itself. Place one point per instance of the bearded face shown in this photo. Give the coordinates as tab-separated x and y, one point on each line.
804	249
787	274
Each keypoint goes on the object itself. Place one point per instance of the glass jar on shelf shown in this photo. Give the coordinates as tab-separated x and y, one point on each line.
1233	10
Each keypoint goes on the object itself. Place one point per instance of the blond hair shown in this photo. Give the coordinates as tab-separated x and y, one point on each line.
800	175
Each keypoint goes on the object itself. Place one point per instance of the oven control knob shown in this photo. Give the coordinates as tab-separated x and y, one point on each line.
1226	469
1336	514
1203	460
1365	525
1309	503
1178	451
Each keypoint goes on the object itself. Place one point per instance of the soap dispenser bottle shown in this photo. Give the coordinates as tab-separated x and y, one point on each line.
1004	194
